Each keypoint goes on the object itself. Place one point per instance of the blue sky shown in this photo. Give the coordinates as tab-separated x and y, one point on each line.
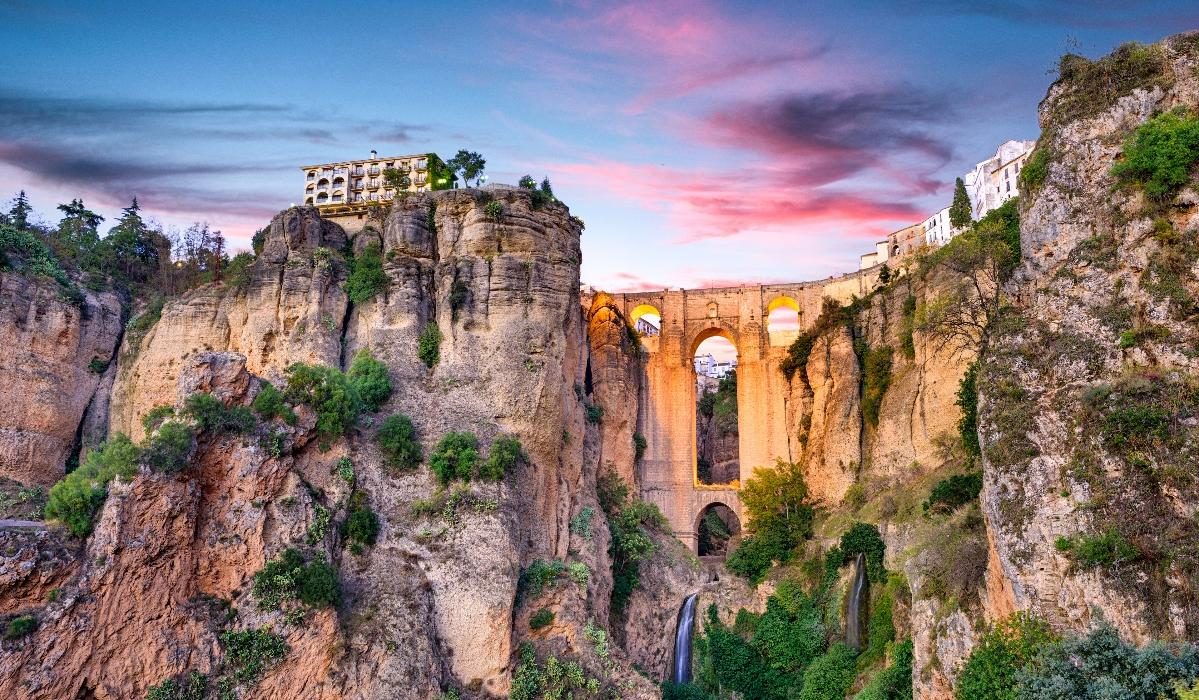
702	143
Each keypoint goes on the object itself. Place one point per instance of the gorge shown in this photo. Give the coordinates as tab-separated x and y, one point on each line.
467	479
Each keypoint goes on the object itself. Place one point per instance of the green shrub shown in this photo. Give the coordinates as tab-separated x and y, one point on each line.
318	585
506	453
894	682
369	378
362	524
329	393
579	573
429	344
455	457
1088	88
540	574
639	446
1035	171
830	676
155	416
990	671
968	401
580	524
345	470
629	524
397	441
319	527
287	577
1136	427
955	491
494	210
876	378
76	499
367	277
97	366
250	652
831	315
21	626
1101	665
1107	549
595	413
193	686
169	448
210	414
556	679
864	538
780	517
542	618
1161	154
269	404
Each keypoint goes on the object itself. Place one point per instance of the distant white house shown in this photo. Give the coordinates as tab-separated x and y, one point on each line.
708	366
994	181
937	229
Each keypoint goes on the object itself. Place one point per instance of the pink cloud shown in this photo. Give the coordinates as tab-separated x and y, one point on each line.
710	204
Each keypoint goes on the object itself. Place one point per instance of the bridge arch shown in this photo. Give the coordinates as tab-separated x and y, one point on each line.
715	524
646	319
714	327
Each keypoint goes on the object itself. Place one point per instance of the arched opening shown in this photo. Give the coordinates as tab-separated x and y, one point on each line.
646	319
308	201
717	443
716	525
782	321
322	198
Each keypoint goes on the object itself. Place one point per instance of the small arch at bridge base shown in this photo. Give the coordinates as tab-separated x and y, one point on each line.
716	525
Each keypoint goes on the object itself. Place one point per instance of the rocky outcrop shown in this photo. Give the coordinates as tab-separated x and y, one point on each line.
1105	327
291	309
614	381
55	351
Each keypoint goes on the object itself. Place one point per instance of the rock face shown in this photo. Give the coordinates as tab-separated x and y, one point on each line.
1105	330
47	377
290	310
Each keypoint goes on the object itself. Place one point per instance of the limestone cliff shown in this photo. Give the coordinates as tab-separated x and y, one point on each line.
55	352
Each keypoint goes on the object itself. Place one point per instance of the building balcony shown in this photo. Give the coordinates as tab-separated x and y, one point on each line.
359	171
373	171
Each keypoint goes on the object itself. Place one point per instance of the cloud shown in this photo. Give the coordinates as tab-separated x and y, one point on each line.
826	137
714	204
1108	14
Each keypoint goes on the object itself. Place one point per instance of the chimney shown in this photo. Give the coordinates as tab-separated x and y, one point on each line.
374	154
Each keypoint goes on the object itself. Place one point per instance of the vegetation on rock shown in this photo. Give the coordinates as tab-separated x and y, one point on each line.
369	378
367	277
780	517
455	457
76	499
429	344
397	441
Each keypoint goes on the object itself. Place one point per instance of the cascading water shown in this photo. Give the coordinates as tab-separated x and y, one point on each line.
682	641
853	614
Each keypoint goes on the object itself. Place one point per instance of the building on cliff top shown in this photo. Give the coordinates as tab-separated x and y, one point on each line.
994	181
350	187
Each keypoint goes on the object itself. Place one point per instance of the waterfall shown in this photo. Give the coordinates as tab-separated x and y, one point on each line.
853	615
682	641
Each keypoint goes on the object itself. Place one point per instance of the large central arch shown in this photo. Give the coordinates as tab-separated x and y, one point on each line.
667	420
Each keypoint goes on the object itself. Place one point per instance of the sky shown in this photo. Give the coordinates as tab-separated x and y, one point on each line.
702	143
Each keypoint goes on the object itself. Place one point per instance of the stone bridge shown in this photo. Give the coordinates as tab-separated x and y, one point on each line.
667	472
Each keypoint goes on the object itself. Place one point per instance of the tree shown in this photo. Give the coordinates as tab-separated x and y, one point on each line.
135	252
397	179
441	175
77	237
469	163
18	215
960	211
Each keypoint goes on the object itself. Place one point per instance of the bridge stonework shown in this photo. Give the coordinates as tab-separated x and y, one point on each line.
667	473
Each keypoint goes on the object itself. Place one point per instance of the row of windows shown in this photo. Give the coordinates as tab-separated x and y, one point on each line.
374	168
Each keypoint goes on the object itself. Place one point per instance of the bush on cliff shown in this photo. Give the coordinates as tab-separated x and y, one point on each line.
864	538
990	671
168	449
780	517
362	523
288	577
953	492
429	344
397	440
269	404
211	414
329	393
506	453
455	457
1160	155
369	378
250	652
629	522
76	499
367	277
876	379
832	314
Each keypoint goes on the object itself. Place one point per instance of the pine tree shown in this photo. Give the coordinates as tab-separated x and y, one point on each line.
18	216
960	211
